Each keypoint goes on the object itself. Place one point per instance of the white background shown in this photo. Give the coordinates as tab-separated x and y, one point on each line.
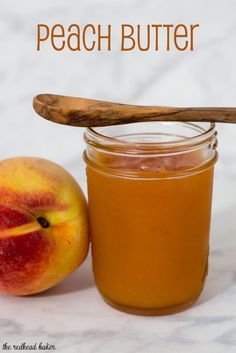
205	77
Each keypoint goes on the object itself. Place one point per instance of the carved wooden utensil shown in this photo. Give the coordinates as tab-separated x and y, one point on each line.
87	112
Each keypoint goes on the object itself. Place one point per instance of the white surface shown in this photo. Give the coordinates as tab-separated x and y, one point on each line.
72	315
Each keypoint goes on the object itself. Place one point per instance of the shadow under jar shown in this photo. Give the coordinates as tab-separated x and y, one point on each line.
149	194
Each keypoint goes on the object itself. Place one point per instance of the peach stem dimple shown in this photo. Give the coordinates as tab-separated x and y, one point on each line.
43	222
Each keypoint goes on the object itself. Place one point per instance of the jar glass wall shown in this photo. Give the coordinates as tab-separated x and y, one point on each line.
149	195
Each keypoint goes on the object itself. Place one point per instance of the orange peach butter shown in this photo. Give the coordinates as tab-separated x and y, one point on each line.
150	233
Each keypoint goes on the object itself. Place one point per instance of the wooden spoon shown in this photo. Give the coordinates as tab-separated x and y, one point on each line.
87	112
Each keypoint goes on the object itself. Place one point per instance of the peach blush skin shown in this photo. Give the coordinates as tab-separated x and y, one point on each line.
43	225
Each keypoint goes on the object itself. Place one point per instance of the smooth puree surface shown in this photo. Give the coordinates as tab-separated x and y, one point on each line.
150	232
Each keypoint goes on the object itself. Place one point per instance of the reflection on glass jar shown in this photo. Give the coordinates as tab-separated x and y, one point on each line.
149	192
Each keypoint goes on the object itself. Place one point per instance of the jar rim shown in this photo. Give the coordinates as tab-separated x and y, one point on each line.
116	144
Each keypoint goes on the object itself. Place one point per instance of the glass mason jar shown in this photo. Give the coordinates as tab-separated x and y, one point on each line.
149	195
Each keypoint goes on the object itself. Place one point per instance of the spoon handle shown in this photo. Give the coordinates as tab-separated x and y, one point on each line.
81	112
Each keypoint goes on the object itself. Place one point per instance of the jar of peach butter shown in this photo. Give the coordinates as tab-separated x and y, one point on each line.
149	194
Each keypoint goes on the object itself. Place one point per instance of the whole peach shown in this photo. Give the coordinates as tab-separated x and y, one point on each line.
43	225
